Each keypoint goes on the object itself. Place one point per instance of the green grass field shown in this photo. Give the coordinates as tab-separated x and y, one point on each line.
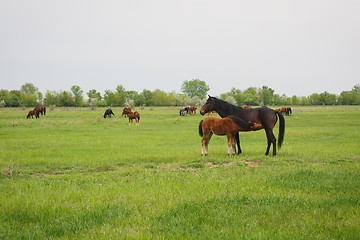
74	175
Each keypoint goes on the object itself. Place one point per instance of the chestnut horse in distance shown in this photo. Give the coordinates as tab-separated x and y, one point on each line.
32	113
131	115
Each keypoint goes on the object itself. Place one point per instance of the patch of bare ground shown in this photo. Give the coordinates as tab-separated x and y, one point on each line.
164	166
252	164
212	165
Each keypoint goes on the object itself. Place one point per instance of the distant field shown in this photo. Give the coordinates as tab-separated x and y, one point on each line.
73	174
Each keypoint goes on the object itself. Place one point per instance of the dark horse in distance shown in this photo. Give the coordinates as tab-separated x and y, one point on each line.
264	116
108	112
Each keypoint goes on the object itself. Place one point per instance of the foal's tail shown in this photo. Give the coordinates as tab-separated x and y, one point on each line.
281	129
201	129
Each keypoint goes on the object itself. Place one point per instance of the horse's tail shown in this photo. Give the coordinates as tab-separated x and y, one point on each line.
44	110
281	129
201	129
138	116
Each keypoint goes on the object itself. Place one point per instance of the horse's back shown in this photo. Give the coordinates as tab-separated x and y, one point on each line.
219	126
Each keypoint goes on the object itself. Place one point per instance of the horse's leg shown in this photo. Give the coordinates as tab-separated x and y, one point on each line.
229	143
207	141
233	144
203	146
271	140
237	138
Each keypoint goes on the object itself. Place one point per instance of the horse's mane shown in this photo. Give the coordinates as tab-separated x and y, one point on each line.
225	106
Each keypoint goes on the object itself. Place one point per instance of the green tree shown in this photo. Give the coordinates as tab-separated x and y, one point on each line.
250	97
162	98
194	88
5	97
266	95
15	98
148	97
50	98
30	94
295	100
29	100
93	94
327	98
109	98
315	99
139	100
65	99
28	88
77	92
349	98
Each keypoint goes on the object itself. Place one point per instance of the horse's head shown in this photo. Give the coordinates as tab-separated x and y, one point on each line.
125	111
208	106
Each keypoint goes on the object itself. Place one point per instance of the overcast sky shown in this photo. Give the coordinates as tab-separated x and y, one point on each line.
294	47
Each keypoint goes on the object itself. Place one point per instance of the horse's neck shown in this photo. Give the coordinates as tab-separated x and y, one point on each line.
226	111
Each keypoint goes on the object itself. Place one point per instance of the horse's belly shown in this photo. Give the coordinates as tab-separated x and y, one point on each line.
219	132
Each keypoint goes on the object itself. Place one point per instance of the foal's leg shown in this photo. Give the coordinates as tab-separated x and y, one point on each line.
207	140
233	144
229	143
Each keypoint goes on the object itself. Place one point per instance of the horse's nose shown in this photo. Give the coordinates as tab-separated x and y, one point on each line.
202	112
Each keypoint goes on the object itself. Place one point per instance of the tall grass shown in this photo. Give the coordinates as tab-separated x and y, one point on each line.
73	174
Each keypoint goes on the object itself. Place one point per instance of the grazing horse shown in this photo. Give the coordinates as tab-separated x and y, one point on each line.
192	110
131	115
108	112
228	126
41	109
183	111
32	113
288	111
264	116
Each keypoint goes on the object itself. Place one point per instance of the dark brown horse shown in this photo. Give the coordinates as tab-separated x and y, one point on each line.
32	113
41	109
131	115
228	126
264	116
108	113
288	111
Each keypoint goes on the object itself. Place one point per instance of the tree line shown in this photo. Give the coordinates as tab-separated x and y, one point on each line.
193	92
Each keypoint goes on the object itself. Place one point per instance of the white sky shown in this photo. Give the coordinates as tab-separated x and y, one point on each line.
294	47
